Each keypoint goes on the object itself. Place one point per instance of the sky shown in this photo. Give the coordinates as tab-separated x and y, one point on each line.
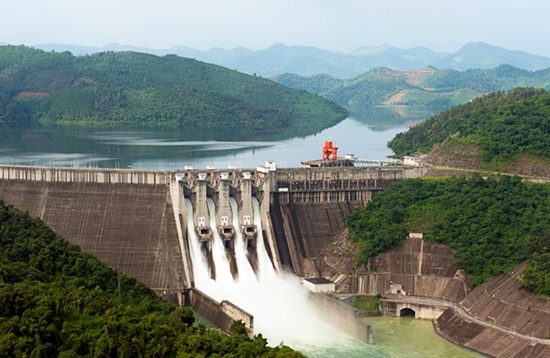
338	25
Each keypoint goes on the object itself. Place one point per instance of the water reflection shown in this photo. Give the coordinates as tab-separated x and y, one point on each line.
364	134
380	118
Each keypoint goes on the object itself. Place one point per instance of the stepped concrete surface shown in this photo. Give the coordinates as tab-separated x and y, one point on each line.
131	227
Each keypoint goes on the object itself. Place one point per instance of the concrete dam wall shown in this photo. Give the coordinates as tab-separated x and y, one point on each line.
131	227
135	221
303	230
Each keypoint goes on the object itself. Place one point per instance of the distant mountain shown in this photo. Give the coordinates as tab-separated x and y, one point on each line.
400	59
131	88
309	61
424	87
483	56
79	50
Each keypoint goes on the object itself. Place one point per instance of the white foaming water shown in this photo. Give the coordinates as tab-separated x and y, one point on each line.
200	266
280	306
246	273
265	266
221	263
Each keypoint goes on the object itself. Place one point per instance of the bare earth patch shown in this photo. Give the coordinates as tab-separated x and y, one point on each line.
32	94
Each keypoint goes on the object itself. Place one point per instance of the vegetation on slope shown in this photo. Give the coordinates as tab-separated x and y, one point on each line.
491	224
425	87
58	301
12	112
132	88
504	125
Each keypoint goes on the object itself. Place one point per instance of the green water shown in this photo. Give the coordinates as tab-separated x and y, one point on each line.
395	337
409	337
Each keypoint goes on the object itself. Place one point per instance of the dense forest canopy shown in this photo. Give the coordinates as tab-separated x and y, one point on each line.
128	88
57	301
503	124
491	224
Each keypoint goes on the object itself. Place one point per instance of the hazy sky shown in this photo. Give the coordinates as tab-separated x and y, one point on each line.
340	25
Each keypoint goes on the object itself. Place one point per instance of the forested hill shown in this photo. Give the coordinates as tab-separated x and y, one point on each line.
492	225
501	130
128	88
56	301
427	86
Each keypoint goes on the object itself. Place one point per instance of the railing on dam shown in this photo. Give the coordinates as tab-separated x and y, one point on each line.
84	175
335	184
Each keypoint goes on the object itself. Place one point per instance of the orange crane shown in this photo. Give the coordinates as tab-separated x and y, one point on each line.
329	150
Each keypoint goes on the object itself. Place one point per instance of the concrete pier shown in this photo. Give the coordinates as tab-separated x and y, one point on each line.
224	217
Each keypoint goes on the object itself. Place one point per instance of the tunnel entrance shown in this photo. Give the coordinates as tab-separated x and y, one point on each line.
407	312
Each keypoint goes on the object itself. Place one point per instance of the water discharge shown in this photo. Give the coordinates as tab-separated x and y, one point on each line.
278	302
282	312
223	275
265	267
200	267
246	273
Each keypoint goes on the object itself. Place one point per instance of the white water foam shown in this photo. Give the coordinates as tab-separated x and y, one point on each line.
280	305
246	273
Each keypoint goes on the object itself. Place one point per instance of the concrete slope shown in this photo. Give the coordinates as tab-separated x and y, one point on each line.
306	228
485	339
504	303
129	226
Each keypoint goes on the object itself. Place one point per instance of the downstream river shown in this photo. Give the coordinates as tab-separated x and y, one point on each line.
403	337
364	134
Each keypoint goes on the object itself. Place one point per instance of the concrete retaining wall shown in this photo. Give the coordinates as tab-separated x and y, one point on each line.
485	339
221	314
425	286
343	317
421	311
501	301
423	269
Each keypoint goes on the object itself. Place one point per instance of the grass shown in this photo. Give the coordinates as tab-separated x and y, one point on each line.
366	302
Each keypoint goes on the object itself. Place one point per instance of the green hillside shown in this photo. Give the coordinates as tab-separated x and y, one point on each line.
504	127
128	88
425	87
492	225
56	301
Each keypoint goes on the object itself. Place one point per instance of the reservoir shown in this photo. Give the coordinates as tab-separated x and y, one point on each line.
365	133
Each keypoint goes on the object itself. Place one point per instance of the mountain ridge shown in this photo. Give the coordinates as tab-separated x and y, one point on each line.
426	86
130	88
308	60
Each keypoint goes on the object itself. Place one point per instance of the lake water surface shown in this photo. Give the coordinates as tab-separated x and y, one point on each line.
365	134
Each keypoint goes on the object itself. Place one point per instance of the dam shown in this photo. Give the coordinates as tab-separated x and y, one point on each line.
139	222
136	220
